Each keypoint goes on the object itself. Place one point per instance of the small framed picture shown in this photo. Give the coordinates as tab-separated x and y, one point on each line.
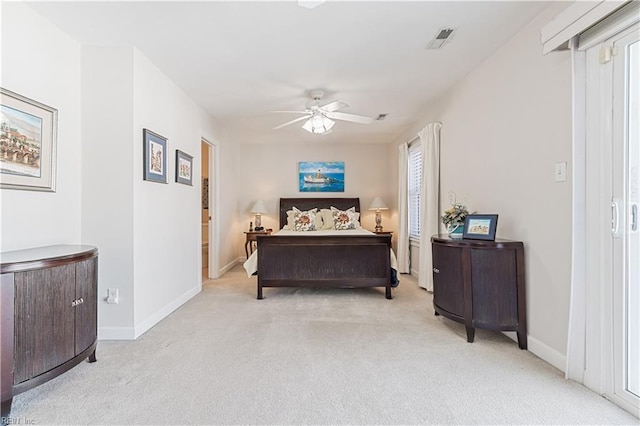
480	227
155	157
28	131
184	165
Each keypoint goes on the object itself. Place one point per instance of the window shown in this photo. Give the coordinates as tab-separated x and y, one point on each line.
415	186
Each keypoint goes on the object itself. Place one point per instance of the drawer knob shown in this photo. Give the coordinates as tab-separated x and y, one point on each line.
436	270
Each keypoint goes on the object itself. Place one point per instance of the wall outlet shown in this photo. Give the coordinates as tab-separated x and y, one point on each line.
560	174
112	295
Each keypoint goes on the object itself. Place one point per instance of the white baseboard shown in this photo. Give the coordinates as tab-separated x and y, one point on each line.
546	353
230	265
132	333
116	333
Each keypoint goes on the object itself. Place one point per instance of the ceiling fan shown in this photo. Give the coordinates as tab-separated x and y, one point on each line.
320	117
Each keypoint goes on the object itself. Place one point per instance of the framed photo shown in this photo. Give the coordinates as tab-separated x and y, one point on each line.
155	157
184	166
28	131
321	176
480	227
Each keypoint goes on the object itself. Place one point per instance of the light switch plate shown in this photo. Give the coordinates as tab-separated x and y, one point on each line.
561	172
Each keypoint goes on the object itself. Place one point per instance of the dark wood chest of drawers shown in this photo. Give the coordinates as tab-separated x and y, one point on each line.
48	314
480	284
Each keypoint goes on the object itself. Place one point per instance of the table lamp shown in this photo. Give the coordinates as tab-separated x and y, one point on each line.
258	209
378	205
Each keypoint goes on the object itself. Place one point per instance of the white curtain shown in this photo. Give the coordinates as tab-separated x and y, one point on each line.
429	200
403	209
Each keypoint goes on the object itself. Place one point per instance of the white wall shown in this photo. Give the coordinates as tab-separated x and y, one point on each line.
149	233
42	63
504	127
270	172
107	189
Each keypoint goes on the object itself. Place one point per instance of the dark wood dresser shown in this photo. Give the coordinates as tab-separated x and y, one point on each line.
48	314
480	284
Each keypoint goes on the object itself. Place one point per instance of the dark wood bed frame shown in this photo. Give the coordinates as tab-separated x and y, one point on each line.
340	261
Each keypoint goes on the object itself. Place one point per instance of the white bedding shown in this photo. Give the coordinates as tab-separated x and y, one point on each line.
251	264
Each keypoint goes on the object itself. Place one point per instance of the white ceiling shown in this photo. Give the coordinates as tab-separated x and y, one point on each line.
241	60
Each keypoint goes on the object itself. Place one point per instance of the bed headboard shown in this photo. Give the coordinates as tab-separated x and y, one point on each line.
287	204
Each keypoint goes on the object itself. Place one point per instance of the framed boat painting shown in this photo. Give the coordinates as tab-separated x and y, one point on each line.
321	176
28	131
155	157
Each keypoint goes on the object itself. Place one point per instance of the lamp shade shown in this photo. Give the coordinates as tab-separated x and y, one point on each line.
259	208
378	204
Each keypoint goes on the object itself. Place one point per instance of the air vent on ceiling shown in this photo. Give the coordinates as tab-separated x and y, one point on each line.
441	38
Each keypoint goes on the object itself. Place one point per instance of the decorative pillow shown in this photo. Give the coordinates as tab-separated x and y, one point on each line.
304	221
327	218
344	219
290	220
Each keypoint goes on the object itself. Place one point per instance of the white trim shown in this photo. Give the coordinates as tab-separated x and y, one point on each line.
116	333
147	324
214	227
546	353
132	333
574	20
230	265
575	359
610	27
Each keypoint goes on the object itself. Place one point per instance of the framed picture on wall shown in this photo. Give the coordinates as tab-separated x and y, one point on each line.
155	157
321	176
184	166
28	131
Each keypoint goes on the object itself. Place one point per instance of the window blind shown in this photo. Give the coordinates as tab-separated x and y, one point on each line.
415	185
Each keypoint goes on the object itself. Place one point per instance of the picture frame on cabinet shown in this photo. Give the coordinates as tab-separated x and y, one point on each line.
28	143
480	227
184	168
155	157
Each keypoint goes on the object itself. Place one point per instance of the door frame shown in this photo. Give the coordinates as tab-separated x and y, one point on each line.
214	222
590	354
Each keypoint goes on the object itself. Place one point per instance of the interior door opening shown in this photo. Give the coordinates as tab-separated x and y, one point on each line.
209	216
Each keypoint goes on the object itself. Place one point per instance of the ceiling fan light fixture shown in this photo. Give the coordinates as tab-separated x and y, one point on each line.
318	124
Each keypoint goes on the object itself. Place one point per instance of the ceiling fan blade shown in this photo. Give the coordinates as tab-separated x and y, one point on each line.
334	106
304	117
293	112
350	117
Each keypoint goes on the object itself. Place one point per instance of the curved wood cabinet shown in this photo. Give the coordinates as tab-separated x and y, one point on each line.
48	314
480	284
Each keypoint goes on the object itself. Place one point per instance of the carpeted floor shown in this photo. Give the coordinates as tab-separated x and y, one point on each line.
312	357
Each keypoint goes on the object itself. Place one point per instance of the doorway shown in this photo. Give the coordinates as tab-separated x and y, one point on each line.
612	199
208	182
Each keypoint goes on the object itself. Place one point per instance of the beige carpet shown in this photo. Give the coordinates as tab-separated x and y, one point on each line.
312	357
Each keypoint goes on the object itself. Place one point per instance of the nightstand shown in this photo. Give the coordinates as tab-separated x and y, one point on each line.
251	237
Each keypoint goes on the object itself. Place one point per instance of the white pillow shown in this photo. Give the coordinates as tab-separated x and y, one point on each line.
298	220
327	218
345	219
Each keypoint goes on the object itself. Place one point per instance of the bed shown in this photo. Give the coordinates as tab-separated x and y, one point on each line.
340	259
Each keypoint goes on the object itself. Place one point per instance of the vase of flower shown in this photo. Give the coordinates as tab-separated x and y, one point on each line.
453	218
455	229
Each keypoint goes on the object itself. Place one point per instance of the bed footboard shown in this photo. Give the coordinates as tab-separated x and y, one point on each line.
324	262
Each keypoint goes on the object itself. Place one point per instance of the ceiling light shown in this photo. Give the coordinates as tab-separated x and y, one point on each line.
318	124
310	4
